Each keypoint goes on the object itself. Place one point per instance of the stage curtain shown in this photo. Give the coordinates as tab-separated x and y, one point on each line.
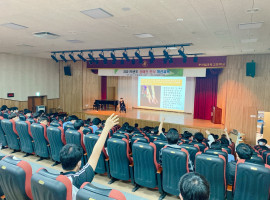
206	94
103	87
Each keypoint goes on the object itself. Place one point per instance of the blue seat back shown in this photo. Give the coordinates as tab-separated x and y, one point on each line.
23	129
192	150
159	145
11	137
145	164
217	152
41	141
174	165
15	178
46	185
119	159
258	175
57	140
3	139
213	168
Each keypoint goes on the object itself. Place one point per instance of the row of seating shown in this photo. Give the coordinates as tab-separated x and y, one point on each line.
18	183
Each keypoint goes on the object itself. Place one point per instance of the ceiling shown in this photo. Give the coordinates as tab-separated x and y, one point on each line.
211	25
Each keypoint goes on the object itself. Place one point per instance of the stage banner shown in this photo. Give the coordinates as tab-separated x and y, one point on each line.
203	62
194	72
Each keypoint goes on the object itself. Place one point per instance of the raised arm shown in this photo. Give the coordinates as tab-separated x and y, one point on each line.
227	136
161	126
110	122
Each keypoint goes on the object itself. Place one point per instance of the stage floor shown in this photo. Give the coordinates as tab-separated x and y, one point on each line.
153	115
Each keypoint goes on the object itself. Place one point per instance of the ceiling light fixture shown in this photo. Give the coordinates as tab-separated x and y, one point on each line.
72	57
62	56
181	52
151	55
80	55
252	25
97	13
125	55
101	55
90	55
113	57
14	26
54	57
137	54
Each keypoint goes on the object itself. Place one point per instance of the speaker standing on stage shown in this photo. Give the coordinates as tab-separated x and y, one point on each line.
122	105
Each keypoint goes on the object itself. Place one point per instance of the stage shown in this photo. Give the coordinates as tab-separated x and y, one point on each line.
180	121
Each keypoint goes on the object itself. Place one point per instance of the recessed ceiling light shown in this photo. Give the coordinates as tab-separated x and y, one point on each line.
126	9
144	35
46	35
248	50
249	40
253	25
14	26
179	19
75	41
24	45
97	13
253	10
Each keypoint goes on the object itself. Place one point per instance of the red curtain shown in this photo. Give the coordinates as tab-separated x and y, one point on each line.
206	94
103	87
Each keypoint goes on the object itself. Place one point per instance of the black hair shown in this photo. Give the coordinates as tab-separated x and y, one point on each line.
155	130
96	121
163	130
244	151
36	115
4	107
262	140
194	186
187	135
129	129
216	137
26	111
172	136
78	124
43	118
70	155
199	136
216	146
72	117
223	136
224	141
12	115
136	125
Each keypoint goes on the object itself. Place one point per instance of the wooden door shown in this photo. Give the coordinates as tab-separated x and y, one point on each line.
266	127
34	101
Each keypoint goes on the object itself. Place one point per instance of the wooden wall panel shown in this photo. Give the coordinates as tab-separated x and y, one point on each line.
91	87
71	87
241	97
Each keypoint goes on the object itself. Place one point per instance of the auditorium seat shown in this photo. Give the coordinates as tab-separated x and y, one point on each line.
76	137
213	168
68	126
120	162
91	192
217	152
57	140
55	124
102	165
87	130
12	136
3	139
27	143
31	120
252	181
139	139
15	178
264	155
202	145
267	159
146	168
192	150
257	159
174	165
46	185
228	149
39	134
159	145
120	135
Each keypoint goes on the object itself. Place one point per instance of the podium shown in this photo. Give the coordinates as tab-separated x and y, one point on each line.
216	115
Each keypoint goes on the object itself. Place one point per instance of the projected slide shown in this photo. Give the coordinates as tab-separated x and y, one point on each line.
162	92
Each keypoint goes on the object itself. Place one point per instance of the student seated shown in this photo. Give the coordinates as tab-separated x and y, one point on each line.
262	144
79	125
96	124
193	186
172	138
71	155
71	120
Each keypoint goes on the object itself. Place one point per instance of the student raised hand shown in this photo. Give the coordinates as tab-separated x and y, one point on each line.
111	121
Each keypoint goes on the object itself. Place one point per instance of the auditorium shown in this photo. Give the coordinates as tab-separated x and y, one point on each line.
135	100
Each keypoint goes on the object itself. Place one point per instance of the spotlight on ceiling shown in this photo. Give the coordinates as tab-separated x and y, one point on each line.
72	57
195	59
81	57
113	57
166	54
137	54
54	57
182	53
90	55
151	55
133	61
126	56
62	56
184	59
101	55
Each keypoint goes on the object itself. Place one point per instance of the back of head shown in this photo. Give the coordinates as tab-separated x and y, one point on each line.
172	136
12	115
155	130
129	129
199	137
187	135
136	125
4	107
216	146
96	121
70	155
224	141
216	137
194	186
43	119
244	151
78	124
